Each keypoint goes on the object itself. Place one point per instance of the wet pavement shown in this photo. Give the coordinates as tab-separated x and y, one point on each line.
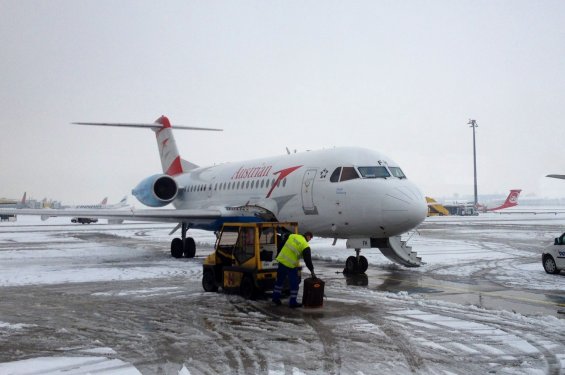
159	319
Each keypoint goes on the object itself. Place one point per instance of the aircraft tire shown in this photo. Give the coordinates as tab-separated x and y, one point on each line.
189	248
209	281
363	264
351	265
176	248
549	265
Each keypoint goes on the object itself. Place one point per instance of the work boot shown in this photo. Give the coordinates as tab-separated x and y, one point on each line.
277	302
295	305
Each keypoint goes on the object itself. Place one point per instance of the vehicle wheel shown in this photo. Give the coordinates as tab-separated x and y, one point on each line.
176	247
209	282
549	265
363	264
351	265
189	248
247	288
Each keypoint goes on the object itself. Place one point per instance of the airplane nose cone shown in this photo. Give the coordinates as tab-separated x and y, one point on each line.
403	209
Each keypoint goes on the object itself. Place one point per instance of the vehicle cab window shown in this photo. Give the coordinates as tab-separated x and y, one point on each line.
560	240
245	246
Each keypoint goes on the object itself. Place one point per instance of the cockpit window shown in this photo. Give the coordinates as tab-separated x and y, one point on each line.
348	173
397	172
374	172
335	175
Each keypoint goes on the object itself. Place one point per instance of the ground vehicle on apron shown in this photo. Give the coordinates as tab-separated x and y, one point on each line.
244	259
553	256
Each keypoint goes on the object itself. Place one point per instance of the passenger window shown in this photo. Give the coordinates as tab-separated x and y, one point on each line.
335	175
374	172
348	173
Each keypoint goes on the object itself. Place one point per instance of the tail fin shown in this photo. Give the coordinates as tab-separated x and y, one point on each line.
511	200
24	198
170	159
104	201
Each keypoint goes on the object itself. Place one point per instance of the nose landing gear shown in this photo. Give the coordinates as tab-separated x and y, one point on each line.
356	264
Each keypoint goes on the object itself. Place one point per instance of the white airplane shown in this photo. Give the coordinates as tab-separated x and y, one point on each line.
341	193
103	204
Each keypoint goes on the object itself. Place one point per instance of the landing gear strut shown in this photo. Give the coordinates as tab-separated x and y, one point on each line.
183	245
356	264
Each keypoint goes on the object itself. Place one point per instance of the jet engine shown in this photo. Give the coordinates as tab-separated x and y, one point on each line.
156	191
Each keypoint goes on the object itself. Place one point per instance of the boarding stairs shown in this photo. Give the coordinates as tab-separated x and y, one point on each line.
395	249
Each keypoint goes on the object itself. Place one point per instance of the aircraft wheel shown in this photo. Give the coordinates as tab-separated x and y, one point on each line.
176	248
247	288
209	282
189	248
549	265
363	264
351	265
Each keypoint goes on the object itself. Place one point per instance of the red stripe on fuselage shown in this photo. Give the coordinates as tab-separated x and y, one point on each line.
282	175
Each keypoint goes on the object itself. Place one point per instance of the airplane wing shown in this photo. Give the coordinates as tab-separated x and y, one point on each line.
561	176
192	217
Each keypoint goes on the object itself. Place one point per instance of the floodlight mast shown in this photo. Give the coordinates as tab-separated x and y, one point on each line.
474	125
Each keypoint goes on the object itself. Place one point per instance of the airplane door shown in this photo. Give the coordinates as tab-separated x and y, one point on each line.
211	186
308	192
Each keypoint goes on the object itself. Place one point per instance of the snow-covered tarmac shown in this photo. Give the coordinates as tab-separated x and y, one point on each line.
109	299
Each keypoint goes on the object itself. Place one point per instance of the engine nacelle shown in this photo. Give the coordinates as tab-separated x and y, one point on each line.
156	191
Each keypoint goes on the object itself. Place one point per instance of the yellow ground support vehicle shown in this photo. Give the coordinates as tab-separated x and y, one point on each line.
244	258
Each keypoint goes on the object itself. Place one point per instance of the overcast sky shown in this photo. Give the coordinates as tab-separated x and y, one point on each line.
401	77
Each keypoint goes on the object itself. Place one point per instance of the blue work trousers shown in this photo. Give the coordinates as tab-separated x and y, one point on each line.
282	273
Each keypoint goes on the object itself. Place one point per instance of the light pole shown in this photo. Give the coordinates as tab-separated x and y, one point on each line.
473	124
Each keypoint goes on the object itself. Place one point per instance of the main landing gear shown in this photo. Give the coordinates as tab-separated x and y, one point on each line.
183	245
355	265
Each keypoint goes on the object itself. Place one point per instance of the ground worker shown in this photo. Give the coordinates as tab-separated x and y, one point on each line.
296	247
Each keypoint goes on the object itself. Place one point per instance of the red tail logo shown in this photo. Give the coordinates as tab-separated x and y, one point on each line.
511	200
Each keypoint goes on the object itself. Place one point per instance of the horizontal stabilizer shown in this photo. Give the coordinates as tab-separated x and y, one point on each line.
150	126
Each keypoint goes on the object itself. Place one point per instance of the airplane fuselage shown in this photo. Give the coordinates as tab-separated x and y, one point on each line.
328	192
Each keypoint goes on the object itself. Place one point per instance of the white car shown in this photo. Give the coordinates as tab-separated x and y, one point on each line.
553	257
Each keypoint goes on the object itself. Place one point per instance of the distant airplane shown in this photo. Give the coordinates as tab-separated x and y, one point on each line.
511	201
561	176
349	193
102	205
12	203
465	208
